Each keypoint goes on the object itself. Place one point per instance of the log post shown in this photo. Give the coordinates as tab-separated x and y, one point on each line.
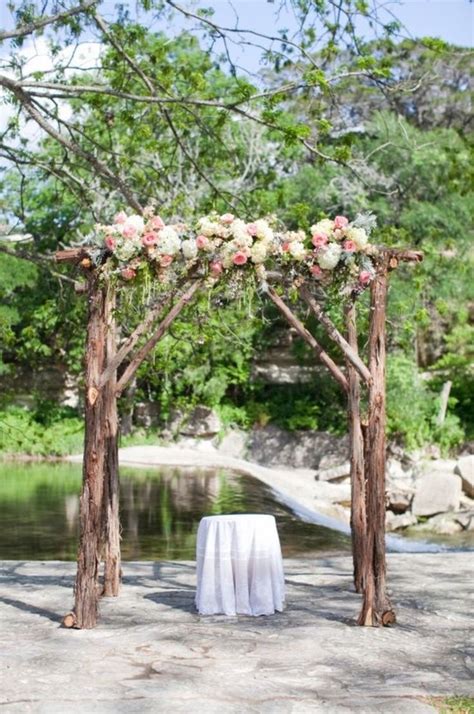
110	513
91	502
356	446
376	607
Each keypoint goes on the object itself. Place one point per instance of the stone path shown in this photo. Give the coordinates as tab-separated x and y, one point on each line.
153	653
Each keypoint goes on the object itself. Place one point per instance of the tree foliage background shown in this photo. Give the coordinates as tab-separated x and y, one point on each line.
152	106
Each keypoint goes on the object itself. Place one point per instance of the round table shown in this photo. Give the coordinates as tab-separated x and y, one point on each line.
239	566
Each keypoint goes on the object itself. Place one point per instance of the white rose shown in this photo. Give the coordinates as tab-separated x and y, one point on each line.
358	236
329	257
169	242
136	222
324	226
258	253
264	232
189	249
297	250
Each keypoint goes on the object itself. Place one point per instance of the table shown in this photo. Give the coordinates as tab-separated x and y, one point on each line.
239	566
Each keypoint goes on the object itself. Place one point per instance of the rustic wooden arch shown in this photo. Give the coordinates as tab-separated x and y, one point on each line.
99	505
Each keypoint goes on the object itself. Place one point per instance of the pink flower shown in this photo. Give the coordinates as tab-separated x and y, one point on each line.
110	242
129	231
341	222
202	242
150	239
349	246
285	247
227	218
319	239
157	223
216	267
166	260
316	271
120	217
365	277
252	229
239	258
128	273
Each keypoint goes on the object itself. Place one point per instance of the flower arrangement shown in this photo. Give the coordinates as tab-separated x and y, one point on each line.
220	245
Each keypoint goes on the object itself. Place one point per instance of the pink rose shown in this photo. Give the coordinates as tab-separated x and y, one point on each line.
285	247
120	217
227	218
319	239
365	277
349	246
150	239
166	260
217	267
157	223
128	273
239	258
110	242
202	242
341	222
316	271
252	229
129	231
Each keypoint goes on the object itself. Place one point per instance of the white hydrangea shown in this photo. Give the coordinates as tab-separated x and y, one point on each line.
258	252
324	226
297	250
290	236
126	250
329	257
135	222
264	232
169	242
209	228
358	236
189	248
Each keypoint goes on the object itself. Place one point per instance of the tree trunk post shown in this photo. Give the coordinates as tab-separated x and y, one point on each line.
356	446
376	607
110	514
91	502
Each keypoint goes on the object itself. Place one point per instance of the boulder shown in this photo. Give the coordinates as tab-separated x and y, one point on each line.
437	492
333	492
146	414
233	443
394	522
201	422
399	501
444	524
272	446
465	469
466	520
336	473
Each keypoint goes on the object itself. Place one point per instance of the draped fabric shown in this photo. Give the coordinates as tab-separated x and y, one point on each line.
239	566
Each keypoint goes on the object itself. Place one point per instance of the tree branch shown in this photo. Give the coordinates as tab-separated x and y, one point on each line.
31	27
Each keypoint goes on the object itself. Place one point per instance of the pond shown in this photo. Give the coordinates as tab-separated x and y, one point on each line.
160	512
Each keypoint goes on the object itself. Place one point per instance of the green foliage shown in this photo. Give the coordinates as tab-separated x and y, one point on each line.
21	432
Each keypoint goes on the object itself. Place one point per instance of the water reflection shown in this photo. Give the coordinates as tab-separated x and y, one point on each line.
160	512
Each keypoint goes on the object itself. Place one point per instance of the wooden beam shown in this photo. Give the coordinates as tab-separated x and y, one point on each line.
308	337
185	298
349	352
71	255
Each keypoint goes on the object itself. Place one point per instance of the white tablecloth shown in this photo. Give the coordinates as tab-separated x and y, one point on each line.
239	566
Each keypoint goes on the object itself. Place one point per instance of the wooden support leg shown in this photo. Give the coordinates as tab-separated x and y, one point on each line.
376	608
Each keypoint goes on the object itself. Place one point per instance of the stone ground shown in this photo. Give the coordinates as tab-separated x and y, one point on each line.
152	653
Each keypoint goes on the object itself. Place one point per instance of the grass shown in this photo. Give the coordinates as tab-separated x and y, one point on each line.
453	705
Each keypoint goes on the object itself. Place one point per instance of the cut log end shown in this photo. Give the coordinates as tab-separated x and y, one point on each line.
69	620
388	618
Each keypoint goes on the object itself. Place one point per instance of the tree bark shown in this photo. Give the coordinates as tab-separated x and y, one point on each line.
376	607
356	440
91	502
110	513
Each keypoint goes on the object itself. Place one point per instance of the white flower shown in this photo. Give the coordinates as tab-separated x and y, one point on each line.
297	250
324	226
258	252
169	242
328	258
290	236
358	236
136	222
209	228
189	248
264	232
127	249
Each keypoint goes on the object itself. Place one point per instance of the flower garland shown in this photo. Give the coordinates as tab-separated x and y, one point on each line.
223	245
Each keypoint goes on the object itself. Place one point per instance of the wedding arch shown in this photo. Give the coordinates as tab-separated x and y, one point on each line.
173	263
